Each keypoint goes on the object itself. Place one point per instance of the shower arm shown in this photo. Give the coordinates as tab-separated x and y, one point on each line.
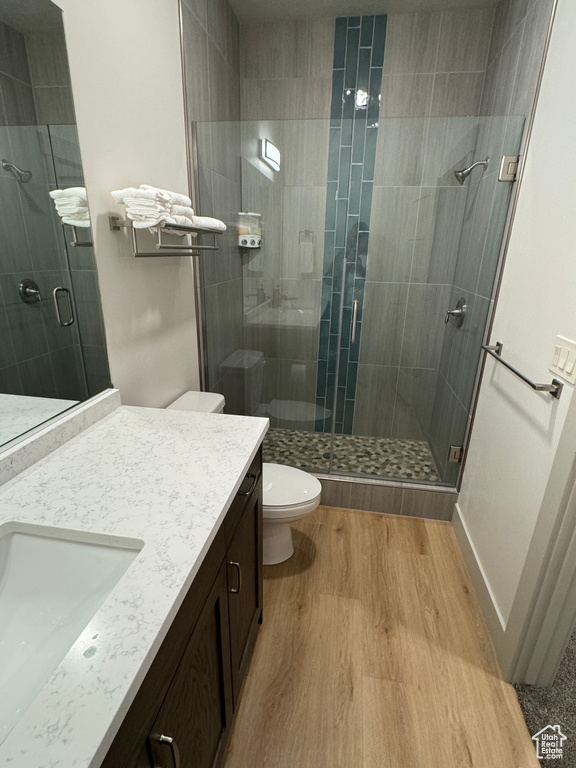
462	175
22	176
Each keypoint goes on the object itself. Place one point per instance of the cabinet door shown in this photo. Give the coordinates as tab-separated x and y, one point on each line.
197	710
244	588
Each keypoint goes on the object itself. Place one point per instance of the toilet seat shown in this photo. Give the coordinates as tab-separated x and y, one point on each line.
291	512
289	492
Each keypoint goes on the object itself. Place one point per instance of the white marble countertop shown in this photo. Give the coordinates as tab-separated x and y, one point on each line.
165	477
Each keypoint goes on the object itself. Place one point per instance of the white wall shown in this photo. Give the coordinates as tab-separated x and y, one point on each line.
127	82
516	431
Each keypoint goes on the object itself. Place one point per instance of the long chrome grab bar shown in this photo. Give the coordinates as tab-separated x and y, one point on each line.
555	389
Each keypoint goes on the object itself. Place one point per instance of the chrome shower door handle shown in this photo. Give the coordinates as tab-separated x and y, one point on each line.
354	319
66	292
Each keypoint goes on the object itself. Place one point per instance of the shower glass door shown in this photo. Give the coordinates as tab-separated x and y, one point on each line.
334	328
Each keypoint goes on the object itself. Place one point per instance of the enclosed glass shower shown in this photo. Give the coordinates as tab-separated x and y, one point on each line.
356	326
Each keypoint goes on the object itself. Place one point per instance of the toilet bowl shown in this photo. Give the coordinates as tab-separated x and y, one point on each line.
289	494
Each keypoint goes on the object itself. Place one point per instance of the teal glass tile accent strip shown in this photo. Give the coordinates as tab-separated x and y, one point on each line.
359	43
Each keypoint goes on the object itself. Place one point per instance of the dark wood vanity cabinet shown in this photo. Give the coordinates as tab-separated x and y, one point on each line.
182	713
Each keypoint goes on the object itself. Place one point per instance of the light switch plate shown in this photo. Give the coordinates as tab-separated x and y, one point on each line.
563	359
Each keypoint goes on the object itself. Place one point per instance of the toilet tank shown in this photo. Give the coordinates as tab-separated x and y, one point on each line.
202	402
246	369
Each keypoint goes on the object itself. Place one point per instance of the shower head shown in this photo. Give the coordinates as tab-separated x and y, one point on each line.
462	175
22	176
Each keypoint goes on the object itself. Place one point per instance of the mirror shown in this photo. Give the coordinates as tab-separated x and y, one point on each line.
52	343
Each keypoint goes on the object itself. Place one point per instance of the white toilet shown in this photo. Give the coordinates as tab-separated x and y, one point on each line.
289	494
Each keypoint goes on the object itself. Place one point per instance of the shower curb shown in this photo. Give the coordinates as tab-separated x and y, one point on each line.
395	498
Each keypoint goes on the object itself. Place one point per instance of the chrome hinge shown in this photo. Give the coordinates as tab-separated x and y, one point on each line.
509	168
455	455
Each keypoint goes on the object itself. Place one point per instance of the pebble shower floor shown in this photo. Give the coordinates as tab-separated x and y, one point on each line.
384	457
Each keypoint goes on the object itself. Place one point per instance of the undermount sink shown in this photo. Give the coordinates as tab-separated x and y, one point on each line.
52	582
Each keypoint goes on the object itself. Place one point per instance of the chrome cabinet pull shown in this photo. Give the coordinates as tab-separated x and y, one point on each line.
66	292
237	566
354	318
163	739
252	486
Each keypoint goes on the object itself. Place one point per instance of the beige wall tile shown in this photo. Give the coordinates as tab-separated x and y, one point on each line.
320	47
411	42
303	211
392	232
400	152
54	105
304	148
414	401
406	95
224	87
382	323
48	59
275	50
530	58
424	326
196	67
293	99
198	8
465	40
457	94
375	400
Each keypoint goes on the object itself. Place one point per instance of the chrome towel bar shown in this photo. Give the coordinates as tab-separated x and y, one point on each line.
555	389
162	248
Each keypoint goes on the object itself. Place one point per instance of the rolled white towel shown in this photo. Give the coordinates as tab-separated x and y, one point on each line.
73	210
148	222
144	210
64	202
74	192
206	222
151	193
76	222
182	210
134	205
72	206
175	198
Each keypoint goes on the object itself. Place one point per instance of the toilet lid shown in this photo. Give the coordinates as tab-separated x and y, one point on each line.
287	486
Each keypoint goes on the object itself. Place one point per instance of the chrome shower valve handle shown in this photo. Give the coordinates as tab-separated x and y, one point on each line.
457	313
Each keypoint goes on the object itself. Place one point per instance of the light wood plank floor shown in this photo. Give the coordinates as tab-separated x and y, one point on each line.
373	654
